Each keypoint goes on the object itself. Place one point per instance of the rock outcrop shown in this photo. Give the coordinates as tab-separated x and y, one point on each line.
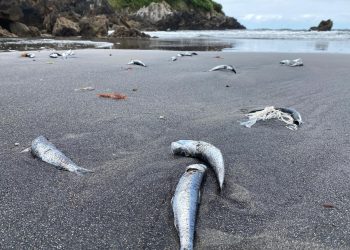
6	33
91	18
65	27
61	17
94	26
161	16
325	25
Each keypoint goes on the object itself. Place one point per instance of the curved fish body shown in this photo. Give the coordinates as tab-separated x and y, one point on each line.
185	204
47	152
204	151
224	67
295	115
137	62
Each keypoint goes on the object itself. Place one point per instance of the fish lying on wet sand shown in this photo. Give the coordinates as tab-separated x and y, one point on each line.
224	67
204	151
185	204
137	62
292	63
47	152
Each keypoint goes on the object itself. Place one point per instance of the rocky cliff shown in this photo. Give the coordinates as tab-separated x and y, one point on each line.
92	18
162	16
58	17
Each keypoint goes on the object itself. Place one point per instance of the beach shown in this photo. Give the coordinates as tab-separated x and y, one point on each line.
283	189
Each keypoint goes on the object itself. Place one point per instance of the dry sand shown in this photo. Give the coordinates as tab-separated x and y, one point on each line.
277	180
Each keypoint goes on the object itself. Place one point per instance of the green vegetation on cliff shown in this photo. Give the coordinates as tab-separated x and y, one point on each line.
207	5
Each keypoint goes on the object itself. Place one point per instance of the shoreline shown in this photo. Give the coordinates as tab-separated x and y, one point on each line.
242	41
277	181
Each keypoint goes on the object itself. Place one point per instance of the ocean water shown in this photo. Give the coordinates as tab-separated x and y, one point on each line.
337	41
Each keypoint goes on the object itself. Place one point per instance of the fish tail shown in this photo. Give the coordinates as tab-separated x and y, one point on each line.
82	171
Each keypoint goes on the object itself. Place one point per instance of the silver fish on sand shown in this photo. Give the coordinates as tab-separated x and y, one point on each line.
55	55
292	63
187	54
47	152
137	62
185	204
204	151
30	55
224	67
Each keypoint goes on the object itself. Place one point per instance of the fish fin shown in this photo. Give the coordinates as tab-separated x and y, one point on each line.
233	69
82	171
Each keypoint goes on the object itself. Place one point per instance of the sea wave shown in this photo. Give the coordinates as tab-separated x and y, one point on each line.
255	34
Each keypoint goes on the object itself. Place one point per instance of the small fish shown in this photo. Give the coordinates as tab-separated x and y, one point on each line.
55	55
292	112
30	55
204	151
224	67
292	63
185	204
47	152
187	54
85	89
173	58
137	62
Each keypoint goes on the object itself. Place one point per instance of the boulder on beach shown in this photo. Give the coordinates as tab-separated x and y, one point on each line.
20	29
96	26
65	27
6	33
325	25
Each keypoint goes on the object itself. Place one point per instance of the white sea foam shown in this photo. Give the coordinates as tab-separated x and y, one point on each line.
255	34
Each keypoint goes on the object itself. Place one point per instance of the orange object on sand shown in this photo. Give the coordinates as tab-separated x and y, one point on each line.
115	95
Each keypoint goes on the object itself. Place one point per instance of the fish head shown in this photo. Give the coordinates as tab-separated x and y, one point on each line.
184	147
196	167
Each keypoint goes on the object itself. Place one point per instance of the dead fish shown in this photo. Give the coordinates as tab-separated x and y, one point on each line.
293	113
137	62
173	58
47	152
55	55
187	54
30	55
85	89
224	67
292	63
204	151
185	204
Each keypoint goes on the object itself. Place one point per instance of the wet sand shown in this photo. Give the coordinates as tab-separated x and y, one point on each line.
279	184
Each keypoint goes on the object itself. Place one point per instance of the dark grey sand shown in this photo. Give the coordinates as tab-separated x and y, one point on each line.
277	180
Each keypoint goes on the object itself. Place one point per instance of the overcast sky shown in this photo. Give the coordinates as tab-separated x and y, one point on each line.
293	14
